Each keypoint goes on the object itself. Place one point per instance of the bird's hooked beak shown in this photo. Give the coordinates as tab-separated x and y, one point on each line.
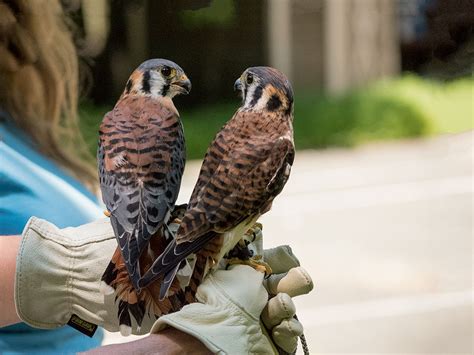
238	85
182	84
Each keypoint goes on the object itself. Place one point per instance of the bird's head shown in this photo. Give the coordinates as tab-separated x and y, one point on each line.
158	78
265	88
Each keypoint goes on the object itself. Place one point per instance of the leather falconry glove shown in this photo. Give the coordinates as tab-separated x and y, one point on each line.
58	275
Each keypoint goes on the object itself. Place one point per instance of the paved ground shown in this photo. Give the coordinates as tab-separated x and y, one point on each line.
386	233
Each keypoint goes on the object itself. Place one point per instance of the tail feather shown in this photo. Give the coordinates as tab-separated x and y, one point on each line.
110	274
167	281
205	255
128	242
150	299
137	305
124	314
137	310
172	256
196	279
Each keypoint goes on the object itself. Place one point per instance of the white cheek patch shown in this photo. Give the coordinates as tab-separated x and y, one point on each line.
265	97
249	95
262	102
156	84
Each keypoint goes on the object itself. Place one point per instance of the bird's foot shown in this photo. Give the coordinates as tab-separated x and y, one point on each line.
240	251
254	230
255	262
107	213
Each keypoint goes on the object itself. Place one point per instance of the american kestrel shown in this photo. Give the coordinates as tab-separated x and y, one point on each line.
245	168
141	159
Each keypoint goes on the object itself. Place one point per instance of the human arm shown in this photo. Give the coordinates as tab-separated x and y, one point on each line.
9	246
170	341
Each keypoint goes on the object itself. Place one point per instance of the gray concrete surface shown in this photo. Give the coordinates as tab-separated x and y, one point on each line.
385	231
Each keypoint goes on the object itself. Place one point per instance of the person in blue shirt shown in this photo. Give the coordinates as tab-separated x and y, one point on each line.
33	185
41	172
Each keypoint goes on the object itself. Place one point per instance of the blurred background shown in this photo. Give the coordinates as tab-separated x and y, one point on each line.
379	205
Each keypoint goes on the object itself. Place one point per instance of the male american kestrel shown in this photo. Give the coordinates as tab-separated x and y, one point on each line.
245	168
141	159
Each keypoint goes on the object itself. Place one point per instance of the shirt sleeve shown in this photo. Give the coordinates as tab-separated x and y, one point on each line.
28	189
14	195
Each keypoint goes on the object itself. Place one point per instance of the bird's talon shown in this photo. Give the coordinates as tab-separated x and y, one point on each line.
242	243
254	236
253	230
255	262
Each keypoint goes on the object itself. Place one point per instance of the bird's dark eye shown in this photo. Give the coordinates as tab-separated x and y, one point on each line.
166	71
249	79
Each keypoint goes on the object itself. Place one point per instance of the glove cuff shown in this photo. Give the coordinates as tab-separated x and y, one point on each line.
53	270
37	277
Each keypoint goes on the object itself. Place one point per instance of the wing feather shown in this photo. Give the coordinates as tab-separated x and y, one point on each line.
244	183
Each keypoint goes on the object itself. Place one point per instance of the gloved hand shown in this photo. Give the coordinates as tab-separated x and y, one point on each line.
232	303
58	274
288	280
59	270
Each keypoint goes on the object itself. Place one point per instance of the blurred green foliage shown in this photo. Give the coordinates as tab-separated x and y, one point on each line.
405	107
220	13
448	105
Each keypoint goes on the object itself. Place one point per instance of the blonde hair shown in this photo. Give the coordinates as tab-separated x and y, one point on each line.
39	81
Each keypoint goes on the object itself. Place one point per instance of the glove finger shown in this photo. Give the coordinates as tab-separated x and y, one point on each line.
286	334
277	309
236	292
296	282
281	259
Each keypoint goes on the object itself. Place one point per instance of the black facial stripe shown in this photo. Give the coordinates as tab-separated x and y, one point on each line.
273	103
165	89
285	87
257	94
289	95
129	86
146	82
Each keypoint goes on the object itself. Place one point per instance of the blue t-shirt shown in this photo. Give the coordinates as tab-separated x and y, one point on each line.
32	185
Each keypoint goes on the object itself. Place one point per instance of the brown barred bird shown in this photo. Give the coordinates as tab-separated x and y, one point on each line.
141	159
245	168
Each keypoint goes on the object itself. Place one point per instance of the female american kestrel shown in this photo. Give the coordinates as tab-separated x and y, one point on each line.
245	168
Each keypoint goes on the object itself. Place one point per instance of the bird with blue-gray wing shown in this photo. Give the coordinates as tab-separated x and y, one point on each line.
141	158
